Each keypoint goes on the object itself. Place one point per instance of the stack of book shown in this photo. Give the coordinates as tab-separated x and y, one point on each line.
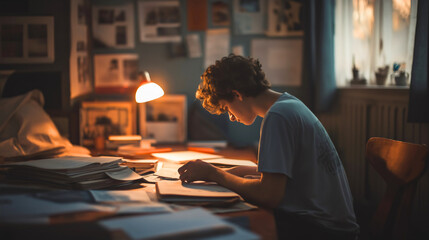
71	173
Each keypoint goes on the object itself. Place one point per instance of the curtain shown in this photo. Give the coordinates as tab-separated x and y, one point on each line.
418	109
319	69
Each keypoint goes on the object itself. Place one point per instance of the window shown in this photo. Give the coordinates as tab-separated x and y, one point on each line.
372	34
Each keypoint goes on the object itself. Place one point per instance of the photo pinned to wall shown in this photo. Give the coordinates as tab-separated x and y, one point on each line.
105	118
159	21
113	26
80	62
285	18
27	39
220	14
116	73
164	119
249	16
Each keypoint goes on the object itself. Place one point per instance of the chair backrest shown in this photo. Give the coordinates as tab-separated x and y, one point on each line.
400	164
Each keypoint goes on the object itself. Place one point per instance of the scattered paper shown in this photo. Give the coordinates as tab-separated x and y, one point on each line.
184	156
176	225
15	207
138	195
231	162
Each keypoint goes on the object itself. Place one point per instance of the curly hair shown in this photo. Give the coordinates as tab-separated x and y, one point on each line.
234	72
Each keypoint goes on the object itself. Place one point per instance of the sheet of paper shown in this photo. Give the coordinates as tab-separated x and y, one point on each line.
177	188
159	21
152	207
22	206
249	17
217	45
169	170
137	195
113	27
194	45
174	225
126	174
281	60
142	161
184	156
231	162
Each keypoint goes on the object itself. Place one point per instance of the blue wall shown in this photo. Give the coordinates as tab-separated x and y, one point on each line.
181	75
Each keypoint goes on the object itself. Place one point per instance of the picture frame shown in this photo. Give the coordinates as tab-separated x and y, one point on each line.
164	119
104	118
27	40
159	21
113	26
285	18
116	73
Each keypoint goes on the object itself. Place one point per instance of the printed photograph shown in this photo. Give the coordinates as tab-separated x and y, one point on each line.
12	37
106	16
105	119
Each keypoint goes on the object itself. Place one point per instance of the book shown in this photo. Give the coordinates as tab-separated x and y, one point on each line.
199	193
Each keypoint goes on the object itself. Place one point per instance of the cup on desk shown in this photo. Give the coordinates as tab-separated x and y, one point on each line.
99	143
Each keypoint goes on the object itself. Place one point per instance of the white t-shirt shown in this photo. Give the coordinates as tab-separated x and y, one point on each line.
293	142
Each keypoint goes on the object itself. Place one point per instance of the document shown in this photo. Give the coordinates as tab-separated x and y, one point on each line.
185	224
185	156
104	196
230	162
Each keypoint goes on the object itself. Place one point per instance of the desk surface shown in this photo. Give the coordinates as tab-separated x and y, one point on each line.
261	221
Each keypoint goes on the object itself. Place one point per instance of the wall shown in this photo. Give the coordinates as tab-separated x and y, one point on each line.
181	75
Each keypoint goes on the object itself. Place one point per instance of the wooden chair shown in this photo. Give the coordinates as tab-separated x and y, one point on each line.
400	164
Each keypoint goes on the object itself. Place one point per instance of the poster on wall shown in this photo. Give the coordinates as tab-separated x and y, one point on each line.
113	26
285	18
220	14
217	45
80	62
281	60
249	16
116	73
159	21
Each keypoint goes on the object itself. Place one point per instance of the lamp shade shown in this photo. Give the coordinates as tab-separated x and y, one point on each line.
148	90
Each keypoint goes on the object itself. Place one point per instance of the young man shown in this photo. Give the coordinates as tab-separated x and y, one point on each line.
301	176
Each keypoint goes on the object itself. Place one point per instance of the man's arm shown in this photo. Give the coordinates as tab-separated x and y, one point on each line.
242	171
268	191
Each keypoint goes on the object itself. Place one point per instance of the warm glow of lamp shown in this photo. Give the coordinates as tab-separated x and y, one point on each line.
148	90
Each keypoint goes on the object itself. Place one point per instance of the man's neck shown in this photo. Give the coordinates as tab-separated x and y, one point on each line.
262	103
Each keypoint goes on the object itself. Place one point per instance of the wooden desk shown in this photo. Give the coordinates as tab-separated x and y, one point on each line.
261	221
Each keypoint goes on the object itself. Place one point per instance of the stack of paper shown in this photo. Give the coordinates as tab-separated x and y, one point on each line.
72	172
141	166
188	224
201	193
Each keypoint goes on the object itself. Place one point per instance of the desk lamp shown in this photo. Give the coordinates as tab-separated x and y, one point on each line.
148	90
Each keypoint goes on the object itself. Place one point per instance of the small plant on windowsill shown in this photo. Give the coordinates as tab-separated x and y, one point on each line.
399	77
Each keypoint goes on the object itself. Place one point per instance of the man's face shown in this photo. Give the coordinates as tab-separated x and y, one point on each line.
238	110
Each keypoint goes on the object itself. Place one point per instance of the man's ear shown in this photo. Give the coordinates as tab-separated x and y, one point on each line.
238	95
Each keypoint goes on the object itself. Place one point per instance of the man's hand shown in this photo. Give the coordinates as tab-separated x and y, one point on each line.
196	170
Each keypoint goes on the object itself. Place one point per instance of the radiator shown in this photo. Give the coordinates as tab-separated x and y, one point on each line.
361	114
